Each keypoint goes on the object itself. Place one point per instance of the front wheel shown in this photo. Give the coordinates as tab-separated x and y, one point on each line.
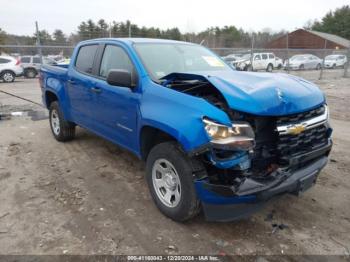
318	67
169	174
61	129
8	76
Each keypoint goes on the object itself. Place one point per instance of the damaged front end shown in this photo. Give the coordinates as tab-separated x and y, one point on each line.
283	155
257	157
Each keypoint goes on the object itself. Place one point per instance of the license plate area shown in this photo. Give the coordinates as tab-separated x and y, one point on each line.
306	182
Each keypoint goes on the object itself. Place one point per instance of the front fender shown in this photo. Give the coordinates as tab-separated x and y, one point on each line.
179	115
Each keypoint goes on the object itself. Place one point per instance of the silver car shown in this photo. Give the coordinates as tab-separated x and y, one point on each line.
9	68
31	65
301	62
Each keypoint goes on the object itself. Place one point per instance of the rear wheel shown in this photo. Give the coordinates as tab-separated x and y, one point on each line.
318	67
8	76
30	73
301	67
61	129
169	174
269	68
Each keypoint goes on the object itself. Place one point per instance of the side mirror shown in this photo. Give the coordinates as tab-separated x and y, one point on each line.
118	77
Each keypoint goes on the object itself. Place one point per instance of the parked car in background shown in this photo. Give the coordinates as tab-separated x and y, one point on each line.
31	65
305	61
333	61
279	63
261	61
10	68
231	58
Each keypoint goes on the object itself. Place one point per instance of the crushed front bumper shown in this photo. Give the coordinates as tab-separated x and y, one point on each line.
227	203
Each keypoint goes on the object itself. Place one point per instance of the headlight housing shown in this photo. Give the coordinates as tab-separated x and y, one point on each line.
240	136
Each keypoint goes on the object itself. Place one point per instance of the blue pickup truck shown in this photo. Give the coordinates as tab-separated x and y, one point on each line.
213	138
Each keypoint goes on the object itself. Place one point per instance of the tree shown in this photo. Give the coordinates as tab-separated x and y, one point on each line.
2	36
59	37
45	37
337	22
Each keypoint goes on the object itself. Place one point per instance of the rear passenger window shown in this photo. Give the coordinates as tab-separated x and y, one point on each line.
85	58
114	57
4	61
271	56
25	59
36	60
264	56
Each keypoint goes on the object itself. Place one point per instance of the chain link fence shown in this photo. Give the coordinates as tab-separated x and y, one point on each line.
311	64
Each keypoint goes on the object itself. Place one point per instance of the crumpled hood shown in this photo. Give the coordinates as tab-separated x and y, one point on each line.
266	94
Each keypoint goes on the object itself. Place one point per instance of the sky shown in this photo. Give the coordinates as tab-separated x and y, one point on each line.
19	16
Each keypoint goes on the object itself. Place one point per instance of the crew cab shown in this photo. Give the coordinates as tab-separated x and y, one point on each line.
213	138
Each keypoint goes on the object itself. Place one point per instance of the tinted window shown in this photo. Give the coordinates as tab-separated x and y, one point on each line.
36	60
271	56
25	59
85	58
264	56
4	61
114	57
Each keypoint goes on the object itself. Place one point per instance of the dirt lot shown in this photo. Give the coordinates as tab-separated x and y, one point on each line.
89	196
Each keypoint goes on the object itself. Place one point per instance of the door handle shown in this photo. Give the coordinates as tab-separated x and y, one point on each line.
96	90
72	82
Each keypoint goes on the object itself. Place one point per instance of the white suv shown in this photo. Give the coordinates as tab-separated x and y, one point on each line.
10	68
333	61
261	61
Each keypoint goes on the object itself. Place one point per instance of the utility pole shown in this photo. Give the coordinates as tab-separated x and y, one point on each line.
324	56
252	52
346	66
129	29
110	30
38	42
287	37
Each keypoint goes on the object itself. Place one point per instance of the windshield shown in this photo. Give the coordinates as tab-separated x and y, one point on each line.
298	58
161	59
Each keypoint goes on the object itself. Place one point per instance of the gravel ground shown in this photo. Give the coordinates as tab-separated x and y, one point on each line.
89	196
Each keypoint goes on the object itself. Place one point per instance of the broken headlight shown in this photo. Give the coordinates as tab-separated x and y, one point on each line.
240	136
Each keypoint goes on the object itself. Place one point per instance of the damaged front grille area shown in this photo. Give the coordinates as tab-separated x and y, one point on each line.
295	118
289	145
274	147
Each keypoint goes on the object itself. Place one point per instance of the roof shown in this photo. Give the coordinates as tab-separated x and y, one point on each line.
137	40
333	38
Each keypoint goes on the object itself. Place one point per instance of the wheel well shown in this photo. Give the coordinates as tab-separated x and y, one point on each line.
7	70
31	68
50	97
151	137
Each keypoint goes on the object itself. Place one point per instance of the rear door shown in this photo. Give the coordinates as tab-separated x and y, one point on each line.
115	107
264	61
81	79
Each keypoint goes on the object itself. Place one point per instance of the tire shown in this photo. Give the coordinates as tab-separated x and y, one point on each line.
30	73
318	67
8	76
169	170
61	129
334	66
269	68
249	68
279	66
301	67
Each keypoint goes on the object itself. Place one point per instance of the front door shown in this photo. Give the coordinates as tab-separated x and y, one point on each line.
115	107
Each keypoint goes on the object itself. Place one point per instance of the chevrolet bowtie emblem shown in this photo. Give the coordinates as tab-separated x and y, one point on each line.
296	129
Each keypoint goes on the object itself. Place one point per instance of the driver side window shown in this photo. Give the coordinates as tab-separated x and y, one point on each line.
114	57
257	57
